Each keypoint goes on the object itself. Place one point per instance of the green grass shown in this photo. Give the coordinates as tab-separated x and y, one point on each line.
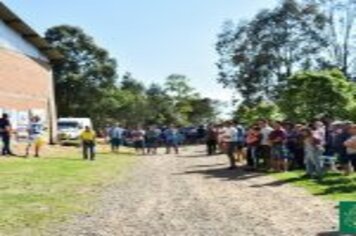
334	186
36	192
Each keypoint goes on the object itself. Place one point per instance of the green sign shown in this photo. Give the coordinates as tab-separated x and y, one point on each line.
348	217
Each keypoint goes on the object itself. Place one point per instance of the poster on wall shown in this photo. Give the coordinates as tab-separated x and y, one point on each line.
23	119
13	118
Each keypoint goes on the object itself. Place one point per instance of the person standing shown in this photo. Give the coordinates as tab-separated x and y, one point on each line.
116	135
211	140
350	145
138	136
241	136
231	142
319	131
253	141
220	129
201	133
88	137
35	132
172	139
265	147
152	139
279	151
313	150
297	147
342	135
5	130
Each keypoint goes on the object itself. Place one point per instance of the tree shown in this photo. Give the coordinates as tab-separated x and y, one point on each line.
263	110
341	33
134	110
160	106
85	76
131	84
257	56
177	86
204	110
311	94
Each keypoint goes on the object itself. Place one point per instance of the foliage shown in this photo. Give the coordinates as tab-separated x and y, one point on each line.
85	75
257	56
311	94
205	110
264	110
261	57
340	33
87	85
191	108
352	112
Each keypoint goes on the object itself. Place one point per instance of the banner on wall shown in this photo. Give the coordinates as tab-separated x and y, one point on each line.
23	119
13	118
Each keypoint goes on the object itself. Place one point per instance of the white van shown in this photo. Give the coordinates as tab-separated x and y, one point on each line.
71	128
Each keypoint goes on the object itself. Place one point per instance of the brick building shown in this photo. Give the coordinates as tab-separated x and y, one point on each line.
26	83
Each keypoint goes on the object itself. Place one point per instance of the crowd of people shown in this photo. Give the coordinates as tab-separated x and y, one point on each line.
148	140
281	146
145	140
266	145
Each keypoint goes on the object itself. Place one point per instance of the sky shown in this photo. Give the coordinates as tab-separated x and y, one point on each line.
150	38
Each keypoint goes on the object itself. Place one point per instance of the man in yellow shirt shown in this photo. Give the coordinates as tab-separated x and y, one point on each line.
88	141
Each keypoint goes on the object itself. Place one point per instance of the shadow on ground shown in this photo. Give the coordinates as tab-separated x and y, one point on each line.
207	166
224	173
333	233
196	156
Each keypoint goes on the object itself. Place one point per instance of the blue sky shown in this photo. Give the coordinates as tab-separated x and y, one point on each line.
151	39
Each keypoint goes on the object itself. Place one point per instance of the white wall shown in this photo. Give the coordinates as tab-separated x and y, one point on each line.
10	39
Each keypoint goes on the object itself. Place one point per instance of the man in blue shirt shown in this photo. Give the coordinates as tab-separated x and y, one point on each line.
115	135
172	139
240	144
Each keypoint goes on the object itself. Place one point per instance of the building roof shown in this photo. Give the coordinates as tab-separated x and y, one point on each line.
18	25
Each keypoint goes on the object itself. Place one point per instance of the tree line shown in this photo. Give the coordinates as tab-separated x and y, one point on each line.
296	61
87	84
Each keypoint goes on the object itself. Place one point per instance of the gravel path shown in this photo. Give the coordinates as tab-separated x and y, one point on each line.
195	195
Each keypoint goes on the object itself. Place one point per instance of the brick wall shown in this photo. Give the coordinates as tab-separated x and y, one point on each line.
24	82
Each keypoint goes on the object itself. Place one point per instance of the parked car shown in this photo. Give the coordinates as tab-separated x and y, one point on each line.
69	129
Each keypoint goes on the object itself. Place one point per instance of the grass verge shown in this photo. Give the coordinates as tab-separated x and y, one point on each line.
35	192
334	186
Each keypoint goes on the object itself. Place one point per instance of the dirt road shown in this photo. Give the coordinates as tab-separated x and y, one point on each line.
192	194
